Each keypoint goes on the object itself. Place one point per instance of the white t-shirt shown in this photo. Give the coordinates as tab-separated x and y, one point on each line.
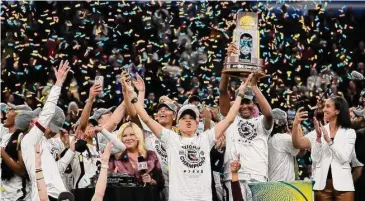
281	158
249	139
90	166
189	165
201	125
12	189
5	135
156	145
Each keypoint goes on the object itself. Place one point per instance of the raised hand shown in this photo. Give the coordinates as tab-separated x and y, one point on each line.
300	116
256	77
62	72
235	165
139	84
232	49
244	85
95	90
126	84
206	113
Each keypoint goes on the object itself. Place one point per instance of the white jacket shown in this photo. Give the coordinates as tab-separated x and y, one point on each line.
51	174
339	156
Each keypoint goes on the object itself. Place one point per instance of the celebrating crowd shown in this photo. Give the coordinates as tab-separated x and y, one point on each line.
162	100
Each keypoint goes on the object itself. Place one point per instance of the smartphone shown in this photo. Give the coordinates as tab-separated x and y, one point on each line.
129	69
307	107
99	80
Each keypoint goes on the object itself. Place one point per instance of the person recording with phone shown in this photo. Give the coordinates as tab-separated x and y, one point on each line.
136	160
332	146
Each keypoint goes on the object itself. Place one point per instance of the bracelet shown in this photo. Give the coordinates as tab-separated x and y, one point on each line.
105	166
38	170
134	100
40	178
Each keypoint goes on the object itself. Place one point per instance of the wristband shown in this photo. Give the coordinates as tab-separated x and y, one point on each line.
38	170
40	178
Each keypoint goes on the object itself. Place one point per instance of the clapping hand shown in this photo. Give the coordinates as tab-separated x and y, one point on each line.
320	130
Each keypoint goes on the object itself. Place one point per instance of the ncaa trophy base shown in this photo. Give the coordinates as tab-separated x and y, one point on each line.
234	68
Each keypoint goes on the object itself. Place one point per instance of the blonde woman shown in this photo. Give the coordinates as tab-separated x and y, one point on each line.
127	162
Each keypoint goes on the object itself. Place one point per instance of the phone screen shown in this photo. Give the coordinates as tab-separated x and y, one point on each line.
99	80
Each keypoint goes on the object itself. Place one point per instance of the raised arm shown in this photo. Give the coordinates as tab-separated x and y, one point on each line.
101	183
41	184
141	87
94	91
265	107
224	100
66	159
50	106
299	141
131	96
35	134
118	146
225	123
129	106
116	117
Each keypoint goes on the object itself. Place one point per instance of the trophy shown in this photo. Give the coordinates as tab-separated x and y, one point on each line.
247	39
